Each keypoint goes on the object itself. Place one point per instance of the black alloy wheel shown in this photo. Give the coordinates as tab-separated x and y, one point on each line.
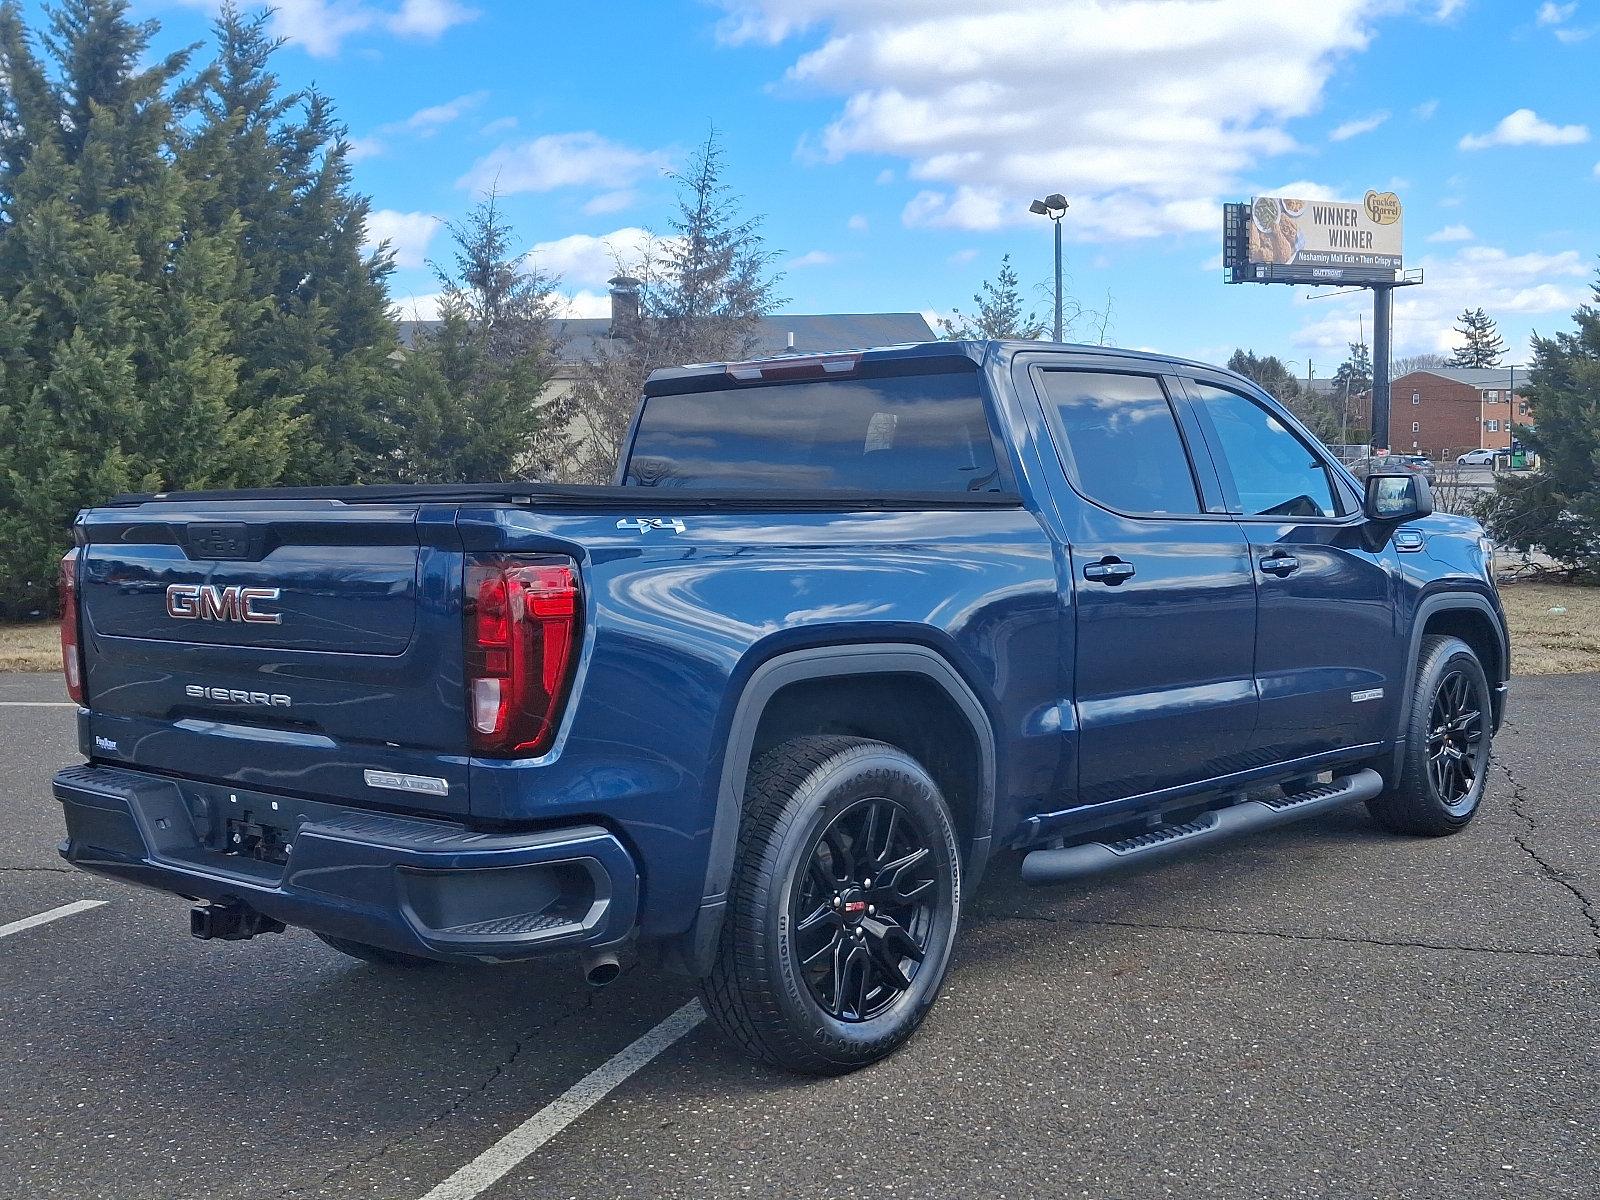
864	908
1444	744
843	906
1457	748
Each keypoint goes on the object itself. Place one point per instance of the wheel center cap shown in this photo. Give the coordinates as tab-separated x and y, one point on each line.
854	905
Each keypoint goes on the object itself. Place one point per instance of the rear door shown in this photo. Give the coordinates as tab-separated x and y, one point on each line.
1327	650
296	645
1162	588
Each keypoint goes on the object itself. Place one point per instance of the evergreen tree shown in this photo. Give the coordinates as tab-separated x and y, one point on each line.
1000	311
703	291
1272	375
115	318
473	401
1268	371
1354	376
1481	345
312	324
1557	509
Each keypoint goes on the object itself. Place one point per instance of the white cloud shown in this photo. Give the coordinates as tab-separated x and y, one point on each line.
1304	189
1447	10
1452	233
1597	170
423	307
498	125
962	257
610	202
1143	112
813	258
429	120
583	260
1358	126
1214	263
1551	13
1506	285
320	27
408	235
858	223
424	123
1569	36
559	160
1524	128
1425	110
428	19
584	304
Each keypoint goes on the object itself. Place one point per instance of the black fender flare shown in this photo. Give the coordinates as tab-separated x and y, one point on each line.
1427	607
825	662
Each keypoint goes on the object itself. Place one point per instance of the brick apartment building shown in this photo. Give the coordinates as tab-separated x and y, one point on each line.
1447	411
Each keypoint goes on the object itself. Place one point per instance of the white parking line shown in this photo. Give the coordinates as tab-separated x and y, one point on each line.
38	704
55	914
501	1158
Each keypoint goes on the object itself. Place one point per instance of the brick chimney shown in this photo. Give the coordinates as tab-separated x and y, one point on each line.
624	305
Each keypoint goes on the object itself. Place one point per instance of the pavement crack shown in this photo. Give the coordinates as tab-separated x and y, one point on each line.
1551	872
1289	937
38	870
498	1071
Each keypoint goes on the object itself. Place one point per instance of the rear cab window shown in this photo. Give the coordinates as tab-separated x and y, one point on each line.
892	429
1119	443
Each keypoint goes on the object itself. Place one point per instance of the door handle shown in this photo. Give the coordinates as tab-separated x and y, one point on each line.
1280	565
1109	571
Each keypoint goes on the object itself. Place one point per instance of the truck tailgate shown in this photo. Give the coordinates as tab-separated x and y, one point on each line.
300	645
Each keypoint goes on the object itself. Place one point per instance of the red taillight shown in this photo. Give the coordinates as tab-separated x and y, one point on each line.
522	623
71	647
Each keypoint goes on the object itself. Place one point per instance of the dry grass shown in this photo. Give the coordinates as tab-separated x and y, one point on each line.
1551	643
1542	642
30	646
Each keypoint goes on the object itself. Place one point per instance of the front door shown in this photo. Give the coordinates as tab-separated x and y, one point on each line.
1162	590
1328	654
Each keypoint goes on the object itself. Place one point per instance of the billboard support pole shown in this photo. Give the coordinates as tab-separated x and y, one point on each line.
1382	322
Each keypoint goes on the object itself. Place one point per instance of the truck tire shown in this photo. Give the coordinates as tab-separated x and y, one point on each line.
1447	736
843	908
376	955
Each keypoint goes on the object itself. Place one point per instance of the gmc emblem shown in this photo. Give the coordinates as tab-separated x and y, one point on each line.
206	602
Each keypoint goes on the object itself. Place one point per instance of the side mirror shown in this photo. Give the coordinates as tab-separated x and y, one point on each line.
1397	497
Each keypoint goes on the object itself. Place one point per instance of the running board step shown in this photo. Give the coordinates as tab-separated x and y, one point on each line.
1169	841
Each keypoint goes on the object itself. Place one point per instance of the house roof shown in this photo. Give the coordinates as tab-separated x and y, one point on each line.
812	332
1478	377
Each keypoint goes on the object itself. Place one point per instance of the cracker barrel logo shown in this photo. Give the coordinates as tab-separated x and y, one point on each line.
1383	208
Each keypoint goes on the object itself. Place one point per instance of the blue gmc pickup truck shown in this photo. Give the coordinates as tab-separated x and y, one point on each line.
846	627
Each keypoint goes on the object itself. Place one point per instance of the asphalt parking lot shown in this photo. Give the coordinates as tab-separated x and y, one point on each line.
1321	1011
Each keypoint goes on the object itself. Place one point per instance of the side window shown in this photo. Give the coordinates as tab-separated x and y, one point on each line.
1274	472
1118	441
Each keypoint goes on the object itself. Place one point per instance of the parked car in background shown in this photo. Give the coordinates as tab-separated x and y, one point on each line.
1377	464
1476	458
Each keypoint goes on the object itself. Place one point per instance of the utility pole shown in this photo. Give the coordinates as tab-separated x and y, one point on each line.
1055	207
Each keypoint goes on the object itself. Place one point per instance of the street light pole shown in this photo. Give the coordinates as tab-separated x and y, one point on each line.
1057	224
1055	207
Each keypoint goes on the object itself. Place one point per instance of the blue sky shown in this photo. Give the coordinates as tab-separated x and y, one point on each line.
893	145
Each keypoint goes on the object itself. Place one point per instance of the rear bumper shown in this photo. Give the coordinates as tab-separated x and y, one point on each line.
425	887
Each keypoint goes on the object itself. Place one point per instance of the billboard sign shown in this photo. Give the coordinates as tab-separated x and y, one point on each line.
1285	239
